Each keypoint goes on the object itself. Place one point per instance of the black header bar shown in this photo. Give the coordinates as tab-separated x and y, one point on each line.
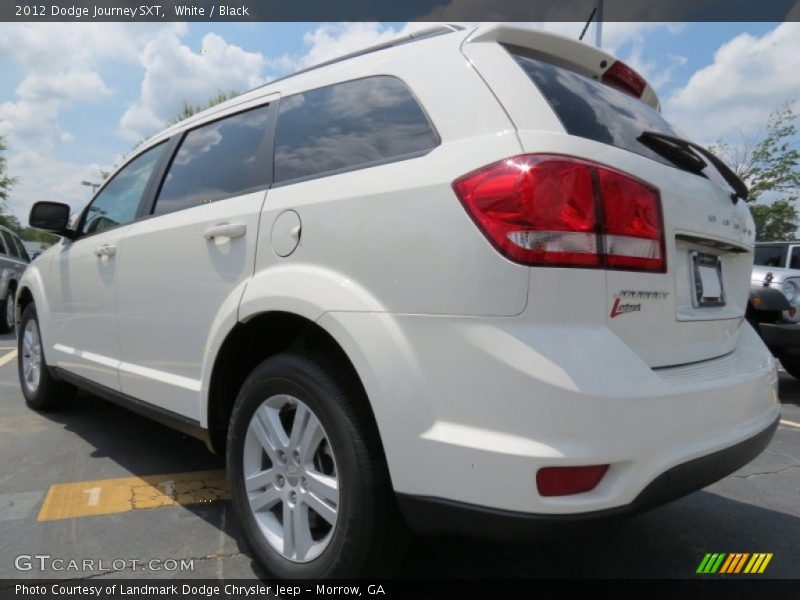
398	10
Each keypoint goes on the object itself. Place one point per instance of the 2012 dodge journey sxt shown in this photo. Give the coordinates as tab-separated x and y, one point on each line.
467	280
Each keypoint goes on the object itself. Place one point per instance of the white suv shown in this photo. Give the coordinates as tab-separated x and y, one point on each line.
470	280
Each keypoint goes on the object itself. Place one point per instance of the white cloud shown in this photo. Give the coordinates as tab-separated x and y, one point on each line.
749	76
62	64
69	86
331	40
47	177
175	73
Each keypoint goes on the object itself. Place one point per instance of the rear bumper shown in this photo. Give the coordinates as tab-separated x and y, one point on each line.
785	336
469	409
438	516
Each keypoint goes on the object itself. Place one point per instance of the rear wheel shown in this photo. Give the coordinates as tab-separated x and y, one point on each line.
41	390
307	475
7	312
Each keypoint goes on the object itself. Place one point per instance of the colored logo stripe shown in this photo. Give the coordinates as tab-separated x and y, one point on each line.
734	562
711	563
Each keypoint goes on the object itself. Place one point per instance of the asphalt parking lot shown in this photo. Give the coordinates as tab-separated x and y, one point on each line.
121	508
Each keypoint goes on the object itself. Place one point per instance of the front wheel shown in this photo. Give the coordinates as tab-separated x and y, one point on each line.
308	480
42	391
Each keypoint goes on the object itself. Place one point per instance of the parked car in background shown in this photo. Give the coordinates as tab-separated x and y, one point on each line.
776	270
468	281
13	261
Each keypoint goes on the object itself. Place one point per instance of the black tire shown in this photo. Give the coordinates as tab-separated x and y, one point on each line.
50	393
791	365
369	534
6	324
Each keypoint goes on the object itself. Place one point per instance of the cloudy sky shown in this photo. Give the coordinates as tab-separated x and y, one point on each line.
75	97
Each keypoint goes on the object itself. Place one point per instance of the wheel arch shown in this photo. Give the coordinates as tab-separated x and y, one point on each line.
251	342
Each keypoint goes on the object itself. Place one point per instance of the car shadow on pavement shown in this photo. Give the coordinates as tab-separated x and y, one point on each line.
667	542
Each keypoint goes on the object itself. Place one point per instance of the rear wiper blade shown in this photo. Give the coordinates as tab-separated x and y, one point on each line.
678	154
670	146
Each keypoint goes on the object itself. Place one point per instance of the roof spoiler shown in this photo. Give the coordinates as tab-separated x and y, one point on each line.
570	54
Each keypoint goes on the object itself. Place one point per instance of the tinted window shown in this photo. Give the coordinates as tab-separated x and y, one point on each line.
348	125
590	109
225	158
117	202
12	248
23	254
769	256
3	248
795	259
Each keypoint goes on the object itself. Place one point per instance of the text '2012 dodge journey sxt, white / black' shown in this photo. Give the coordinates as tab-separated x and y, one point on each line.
470	280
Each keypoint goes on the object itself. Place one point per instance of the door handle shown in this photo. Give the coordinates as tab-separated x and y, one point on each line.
105	250
225	230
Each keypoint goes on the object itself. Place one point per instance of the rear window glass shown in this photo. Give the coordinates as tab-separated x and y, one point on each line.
593	110
348	126
768	256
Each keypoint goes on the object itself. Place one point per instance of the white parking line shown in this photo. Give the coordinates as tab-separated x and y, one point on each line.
6	358
790	423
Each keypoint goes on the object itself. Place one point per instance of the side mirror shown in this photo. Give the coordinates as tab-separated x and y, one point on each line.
52	217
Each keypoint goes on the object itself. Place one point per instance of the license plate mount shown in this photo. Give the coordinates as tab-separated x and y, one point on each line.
708	289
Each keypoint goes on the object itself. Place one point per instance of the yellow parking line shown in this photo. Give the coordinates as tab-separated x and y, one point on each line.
108	496
8	357
790	423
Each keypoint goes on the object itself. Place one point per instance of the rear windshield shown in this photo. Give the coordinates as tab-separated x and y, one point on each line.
593	110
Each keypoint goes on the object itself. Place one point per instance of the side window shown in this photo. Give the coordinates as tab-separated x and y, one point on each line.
225	158
23	254
9	244
769	256
794	261
117	202
349	125
3	249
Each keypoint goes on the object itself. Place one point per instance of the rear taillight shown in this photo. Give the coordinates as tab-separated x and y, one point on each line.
622	77
565	481
540	209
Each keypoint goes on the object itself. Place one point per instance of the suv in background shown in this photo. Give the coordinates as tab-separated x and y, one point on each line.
13	261
777	265
468	280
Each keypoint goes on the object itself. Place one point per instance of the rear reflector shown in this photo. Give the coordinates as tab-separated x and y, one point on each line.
565	481
620	76
541	209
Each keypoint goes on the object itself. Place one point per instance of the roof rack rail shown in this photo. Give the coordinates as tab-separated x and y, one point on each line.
422	34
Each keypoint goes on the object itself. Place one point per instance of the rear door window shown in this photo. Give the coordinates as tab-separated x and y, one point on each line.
769	256
348	126
224	158
593	110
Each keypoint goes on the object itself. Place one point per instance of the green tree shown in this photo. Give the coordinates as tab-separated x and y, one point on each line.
6	181
188	110
767	159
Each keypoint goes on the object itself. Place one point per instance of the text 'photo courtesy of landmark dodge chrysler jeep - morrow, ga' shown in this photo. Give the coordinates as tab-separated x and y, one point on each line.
468	281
